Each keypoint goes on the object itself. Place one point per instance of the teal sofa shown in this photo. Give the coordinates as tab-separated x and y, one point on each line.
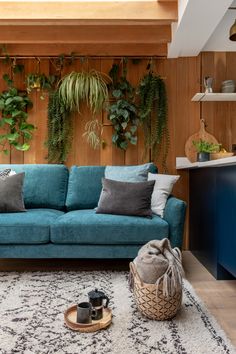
61	222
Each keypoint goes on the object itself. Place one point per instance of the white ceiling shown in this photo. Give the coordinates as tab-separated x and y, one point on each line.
219	40
202	25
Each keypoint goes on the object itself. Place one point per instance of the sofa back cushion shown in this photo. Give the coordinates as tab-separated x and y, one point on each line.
45	186
84	187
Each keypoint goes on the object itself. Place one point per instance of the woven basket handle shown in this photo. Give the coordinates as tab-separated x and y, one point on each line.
135	273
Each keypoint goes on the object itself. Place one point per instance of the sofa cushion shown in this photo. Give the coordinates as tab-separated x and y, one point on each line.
45	186
125	198
84	187
87	227
31	227
135	173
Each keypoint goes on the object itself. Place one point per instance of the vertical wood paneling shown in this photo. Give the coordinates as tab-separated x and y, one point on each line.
220	116
4	69
18	156
182	77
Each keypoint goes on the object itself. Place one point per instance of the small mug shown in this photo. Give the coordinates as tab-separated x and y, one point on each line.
85	312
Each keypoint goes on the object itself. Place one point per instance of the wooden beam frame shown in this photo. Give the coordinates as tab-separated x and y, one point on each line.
86	49
165	13
85	34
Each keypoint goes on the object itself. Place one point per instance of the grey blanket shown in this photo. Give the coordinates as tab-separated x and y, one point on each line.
157	263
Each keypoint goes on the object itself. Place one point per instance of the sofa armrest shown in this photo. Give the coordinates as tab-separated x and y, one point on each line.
174	214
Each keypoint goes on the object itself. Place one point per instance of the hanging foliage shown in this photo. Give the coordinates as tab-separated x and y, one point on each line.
93	132
89	87
17	132
59	129
153	115
122	112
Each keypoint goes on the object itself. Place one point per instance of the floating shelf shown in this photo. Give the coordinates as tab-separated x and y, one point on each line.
211	97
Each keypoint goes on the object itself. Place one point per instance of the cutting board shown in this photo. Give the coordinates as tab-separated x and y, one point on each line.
190	150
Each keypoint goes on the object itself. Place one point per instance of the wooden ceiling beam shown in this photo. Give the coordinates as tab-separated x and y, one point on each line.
85	34
89	10
97	49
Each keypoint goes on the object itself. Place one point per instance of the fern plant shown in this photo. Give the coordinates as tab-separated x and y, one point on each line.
153	114
59	129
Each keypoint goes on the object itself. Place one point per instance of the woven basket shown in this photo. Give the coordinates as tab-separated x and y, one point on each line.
150	302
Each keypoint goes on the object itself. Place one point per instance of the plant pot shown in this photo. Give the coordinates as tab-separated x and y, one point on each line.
203	156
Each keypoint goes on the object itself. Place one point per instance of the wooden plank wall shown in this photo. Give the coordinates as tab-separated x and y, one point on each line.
182	78
220	116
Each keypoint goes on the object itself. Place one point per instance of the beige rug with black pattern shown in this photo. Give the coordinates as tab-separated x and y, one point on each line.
32	322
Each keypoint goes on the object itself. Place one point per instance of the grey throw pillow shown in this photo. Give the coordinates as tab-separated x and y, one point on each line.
125	198
11	195
5	173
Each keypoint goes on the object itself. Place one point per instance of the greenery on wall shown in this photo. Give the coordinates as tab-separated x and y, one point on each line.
89	87
17	132
122	111
40	82
60	131
128	107
153	115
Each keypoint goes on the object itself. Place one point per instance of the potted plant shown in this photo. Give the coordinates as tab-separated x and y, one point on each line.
204	149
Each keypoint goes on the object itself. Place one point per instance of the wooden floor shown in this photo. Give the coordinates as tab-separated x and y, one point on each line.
219	296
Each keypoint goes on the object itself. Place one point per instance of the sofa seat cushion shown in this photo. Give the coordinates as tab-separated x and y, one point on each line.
30	227
87	227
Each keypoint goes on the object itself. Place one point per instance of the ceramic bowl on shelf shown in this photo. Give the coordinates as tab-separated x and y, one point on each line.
228	86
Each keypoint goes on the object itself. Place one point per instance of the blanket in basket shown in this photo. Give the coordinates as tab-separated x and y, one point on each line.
157	263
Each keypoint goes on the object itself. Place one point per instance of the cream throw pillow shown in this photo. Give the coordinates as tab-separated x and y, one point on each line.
162	189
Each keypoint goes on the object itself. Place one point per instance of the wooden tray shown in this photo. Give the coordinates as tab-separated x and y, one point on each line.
221	155
70	319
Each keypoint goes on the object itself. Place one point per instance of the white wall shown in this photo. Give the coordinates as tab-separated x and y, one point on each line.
219	40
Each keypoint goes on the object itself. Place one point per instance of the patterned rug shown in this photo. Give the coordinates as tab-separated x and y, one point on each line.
31	318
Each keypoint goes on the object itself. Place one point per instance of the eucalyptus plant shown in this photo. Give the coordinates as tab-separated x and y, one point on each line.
17	132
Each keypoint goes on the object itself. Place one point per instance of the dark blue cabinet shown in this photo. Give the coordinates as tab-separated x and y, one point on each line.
212	223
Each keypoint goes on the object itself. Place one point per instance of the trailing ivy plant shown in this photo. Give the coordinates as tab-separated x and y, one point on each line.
60	132
153	115
123	111
14	119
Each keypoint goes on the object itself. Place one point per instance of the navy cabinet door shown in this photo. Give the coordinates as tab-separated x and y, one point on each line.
226	216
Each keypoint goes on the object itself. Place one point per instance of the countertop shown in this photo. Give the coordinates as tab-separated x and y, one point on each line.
183	163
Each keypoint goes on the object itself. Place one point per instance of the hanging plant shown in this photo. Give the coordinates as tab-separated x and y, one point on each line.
14	119
123	112
59	129
89	87
39	82
153	115
93	132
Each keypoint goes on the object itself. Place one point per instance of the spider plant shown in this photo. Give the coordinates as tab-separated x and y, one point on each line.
93	131
89	87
